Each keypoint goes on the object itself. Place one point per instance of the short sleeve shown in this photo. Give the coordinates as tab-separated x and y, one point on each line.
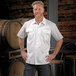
22	32
56	33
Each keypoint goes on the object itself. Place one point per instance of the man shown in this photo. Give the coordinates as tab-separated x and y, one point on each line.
38	32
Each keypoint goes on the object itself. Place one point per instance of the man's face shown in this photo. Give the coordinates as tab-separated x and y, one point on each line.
38	10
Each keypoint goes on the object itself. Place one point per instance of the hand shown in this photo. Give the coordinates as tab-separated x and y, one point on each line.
50	57
24	55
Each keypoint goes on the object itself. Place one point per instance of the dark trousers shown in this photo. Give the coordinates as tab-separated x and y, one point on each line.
42	70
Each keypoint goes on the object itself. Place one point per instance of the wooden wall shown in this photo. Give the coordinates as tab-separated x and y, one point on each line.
67	19
22	9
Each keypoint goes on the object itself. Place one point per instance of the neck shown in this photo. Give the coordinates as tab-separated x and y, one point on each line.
38	20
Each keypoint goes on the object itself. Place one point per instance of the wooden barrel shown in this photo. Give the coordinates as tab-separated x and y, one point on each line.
22	20
71	56
2	23
70	65
57	68
8	33
17	68
56	61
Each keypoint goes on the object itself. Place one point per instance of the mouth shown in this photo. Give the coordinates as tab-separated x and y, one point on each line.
37	14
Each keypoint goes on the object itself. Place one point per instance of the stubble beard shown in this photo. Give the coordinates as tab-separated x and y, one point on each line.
38	17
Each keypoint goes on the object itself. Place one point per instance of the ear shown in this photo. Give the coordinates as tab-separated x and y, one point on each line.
43	10
33	9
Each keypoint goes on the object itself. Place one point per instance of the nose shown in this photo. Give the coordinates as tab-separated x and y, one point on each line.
37	10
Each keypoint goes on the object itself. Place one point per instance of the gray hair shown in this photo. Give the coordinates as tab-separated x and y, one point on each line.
38	2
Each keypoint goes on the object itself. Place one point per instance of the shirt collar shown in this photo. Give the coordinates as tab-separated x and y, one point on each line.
43	21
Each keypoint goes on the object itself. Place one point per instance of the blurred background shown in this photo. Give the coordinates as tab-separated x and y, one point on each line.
13	14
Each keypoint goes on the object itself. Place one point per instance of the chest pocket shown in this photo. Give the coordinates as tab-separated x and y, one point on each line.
46	34
30	33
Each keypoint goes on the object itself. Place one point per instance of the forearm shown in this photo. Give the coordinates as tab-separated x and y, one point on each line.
23	53
21	43
58	46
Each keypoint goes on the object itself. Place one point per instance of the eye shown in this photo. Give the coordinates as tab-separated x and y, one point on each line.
39	9
35	9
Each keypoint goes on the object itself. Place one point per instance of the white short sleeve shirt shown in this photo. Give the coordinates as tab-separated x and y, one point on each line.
38	39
